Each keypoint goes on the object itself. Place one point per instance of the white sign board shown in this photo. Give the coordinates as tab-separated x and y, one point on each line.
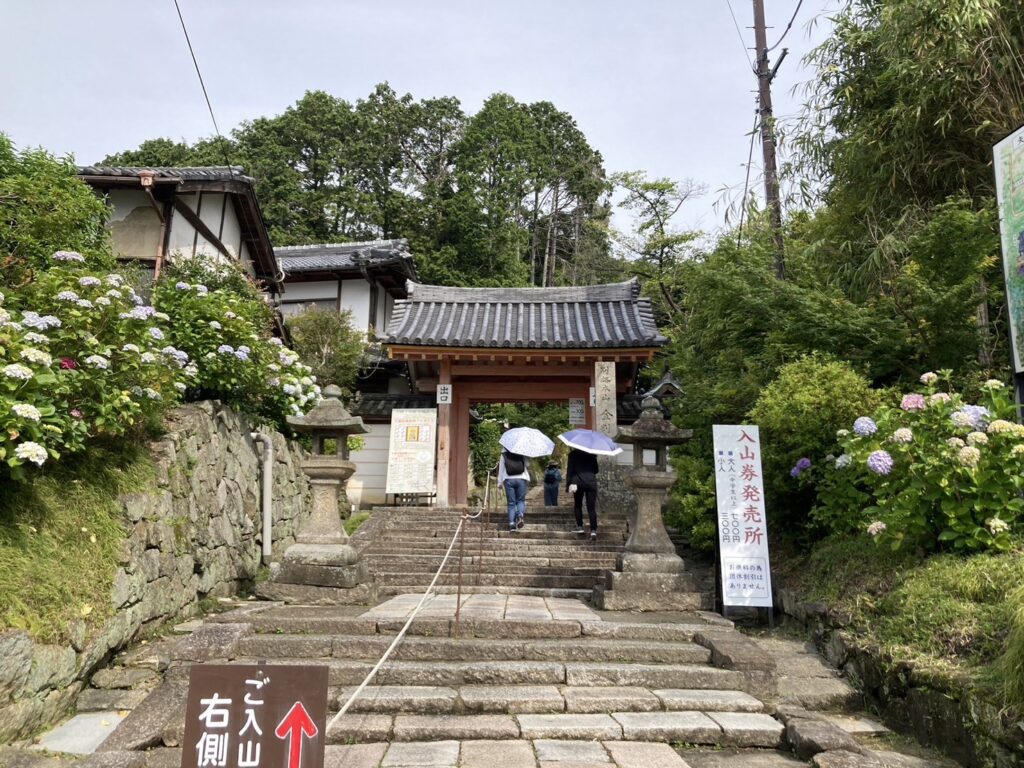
742	530
1009	167
411	451
444	394
577	410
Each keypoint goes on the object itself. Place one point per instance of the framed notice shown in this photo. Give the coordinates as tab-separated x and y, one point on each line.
742	531
411	450
577	410
1009	166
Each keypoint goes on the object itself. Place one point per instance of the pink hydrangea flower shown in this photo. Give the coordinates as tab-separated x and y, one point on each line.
913	402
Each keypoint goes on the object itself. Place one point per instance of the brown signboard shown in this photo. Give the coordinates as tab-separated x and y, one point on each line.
266	716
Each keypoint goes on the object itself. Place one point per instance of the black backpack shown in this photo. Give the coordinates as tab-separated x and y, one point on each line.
515	464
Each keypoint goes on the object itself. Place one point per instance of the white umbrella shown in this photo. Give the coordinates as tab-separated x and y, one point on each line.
527	441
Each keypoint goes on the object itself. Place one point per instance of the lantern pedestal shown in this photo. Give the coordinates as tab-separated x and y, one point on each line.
322	567
650	575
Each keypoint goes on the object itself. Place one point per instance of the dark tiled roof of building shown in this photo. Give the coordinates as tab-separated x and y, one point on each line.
594	317
200	173
342	256
379	406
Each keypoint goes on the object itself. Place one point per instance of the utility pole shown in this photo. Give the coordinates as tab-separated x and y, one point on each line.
767	121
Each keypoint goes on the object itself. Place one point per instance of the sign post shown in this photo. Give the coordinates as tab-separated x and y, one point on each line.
744	567
247	716
1009	167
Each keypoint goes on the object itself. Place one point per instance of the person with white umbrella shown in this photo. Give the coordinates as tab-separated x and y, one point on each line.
513	475
581	471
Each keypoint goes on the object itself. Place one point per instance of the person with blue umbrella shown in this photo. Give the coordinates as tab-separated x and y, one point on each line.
582	469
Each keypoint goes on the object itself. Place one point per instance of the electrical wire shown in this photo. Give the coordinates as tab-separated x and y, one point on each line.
746	182
209	106
746	51
788	27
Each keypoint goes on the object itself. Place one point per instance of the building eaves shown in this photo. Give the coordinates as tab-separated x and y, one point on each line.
584	317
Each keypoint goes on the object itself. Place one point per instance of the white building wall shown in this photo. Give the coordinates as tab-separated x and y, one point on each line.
134	225
355	297
366	488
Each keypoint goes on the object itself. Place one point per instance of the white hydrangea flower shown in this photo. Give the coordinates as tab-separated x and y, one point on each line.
17	371
37	356
977	438
30	451
36	338
26	411
98	361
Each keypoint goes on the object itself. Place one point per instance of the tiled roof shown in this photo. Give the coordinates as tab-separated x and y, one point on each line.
339	256
379	406
595	316
201	173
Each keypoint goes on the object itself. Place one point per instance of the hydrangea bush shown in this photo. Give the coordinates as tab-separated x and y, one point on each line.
934	471
81	354
227	334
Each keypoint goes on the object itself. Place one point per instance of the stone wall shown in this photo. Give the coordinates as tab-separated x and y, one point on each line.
197	533
935	710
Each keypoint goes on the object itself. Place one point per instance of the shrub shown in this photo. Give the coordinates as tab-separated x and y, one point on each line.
227	333
939	472
326	341
81	355
798	414
45	207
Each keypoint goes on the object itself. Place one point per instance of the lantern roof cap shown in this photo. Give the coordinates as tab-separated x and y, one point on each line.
329	417
652	427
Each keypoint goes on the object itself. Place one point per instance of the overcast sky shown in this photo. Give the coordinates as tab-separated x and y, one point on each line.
658	85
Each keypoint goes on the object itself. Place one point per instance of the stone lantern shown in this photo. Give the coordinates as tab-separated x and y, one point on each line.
651	576
322	563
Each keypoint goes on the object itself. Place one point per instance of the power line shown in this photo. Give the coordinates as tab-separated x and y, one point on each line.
738	32
209	106
788	26
746	182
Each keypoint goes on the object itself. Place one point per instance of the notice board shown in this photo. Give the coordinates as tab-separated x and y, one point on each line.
411	450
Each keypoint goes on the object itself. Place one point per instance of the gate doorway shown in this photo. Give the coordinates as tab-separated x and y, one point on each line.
519	345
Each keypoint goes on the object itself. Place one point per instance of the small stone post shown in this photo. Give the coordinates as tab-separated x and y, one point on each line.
322	567
651	576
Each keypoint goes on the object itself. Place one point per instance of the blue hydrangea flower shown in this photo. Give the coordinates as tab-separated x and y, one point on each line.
865	426
880	462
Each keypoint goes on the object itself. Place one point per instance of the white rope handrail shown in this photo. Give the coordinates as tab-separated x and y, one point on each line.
408	622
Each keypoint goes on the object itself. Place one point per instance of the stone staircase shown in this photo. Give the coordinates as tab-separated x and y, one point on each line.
514	668
543	558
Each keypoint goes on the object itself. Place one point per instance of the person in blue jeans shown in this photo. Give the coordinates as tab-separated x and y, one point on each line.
514	478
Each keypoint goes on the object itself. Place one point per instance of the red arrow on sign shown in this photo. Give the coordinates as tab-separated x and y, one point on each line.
291	727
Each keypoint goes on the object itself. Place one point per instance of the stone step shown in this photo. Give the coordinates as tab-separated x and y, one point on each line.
459	673
372	647
536	699
299	619
726	729
583	560
513	548
497	536
546	581
384	566
388	590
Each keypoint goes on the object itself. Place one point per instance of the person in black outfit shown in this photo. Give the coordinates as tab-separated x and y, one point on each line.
552	479
581	481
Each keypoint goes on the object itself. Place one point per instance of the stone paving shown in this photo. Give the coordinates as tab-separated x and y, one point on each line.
485	606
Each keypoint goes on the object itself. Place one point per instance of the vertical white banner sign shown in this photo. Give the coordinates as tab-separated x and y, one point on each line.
742	530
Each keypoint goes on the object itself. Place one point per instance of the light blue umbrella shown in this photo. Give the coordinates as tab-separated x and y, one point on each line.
590	441
527	441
